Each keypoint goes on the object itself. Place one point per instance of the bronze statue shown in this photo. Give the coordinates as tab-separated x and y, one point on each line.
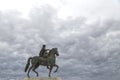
36	61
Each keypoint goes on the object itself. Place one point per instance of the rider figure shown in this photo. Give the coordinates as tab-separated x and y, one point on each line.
43	51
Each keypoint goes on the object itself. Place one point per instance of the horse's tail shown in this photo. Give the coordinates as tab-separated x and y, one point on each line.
28	63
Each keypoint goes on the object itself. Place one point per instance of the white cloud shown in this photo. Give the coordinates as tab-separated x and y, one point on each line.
91	8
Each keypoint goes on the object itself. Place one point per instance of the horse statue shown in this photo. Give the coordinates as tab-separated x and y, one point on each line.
36	61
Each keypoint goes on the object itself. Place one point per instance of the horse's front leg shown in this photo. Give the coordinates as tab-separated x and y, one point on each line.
50	69
56	68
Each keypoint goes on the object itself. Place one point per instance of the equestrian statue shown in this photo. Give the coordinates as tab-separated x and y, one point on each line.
47	57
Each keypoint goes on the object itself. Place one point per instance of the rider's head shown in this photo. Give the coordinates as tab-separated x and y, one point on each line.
44	45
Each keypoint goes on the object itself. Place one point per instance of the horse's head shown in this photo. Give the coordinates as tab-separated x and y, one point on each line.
54	51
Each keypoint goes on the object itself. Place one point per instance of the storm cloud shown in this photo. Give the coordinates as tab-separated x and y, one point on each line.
87	51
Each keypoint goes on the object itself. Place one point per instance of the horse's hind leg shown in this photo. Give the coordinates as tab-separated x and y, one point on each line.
56	68
34	69
29	71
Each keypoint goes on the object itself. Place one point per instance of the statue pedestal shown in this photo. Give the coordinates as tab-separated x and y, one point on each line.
43	78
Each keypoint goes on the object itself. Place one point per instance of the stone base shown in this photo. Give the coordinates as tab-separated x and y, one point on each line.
45	78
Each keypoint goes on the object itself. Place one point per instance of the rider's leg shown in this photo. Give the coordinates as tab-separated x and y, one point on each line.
47	63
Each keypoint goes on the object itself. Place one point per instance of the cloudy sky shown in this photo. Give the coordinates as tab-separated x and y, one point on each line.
86	33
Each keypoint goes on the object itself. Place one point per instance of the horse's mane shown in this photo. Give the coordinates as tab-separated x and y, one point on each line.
50	52
53	49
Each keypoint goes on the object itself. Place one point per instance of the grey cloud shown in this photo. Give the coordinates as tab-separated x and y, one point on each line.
87	52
